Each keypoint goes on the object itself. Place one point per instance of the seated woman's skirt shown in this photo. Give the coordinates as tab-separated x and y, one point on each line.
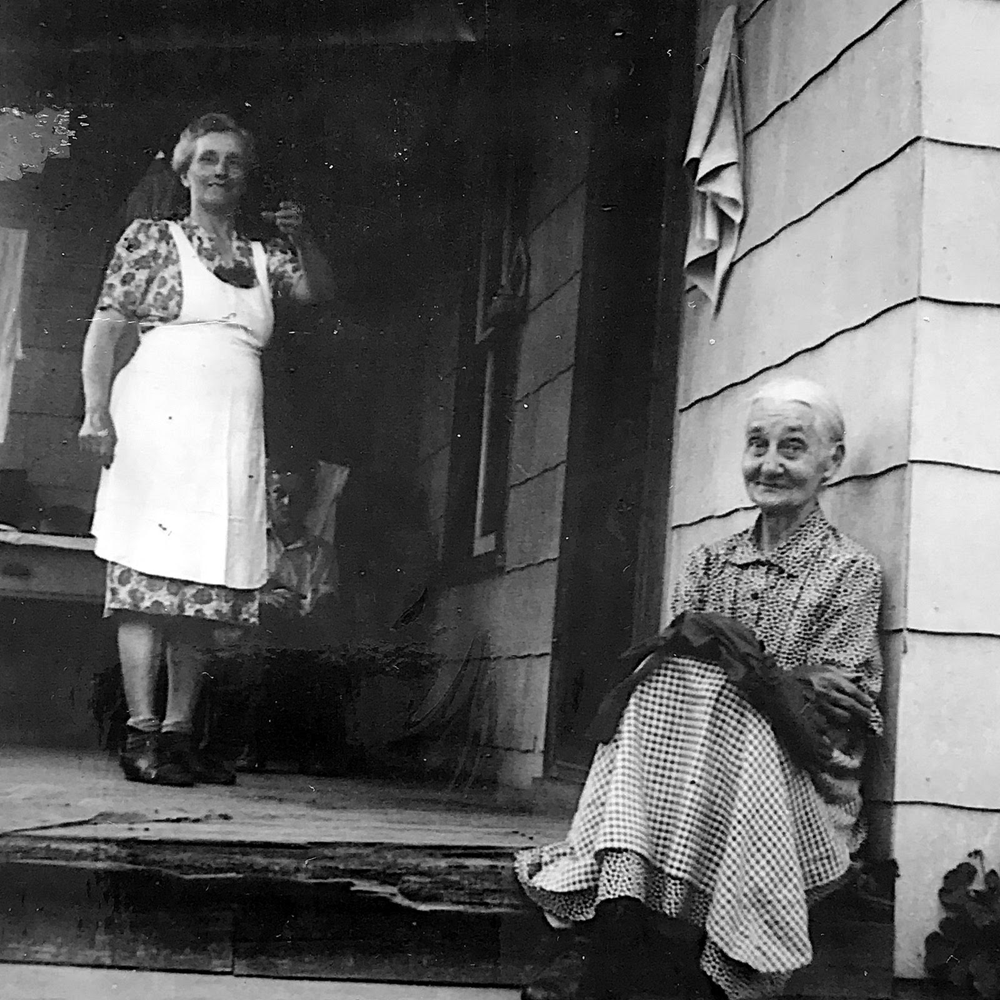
695	810
127	589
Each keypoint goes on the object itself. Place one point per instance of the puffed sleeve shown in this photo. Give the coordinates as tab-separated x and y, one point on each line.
134	265
847	631
690	590
283	268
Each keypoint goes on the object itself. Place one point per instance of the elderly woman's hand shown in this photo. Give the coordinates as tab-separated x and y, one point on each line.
97	436
840	699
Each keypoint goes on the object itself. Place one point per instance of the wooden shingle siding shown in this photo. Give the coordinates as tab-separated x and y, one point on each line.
853	259
869	96
961	210
548	339
961	72
960	761
787	44
956	412
533	518
954	553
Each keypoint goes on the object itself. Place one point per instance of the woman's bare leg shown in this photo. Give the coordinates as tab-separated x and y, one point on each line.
189	645
140	642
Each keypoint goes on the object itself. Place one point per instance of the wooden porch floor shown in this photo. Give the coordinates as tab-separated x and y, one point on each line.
420	846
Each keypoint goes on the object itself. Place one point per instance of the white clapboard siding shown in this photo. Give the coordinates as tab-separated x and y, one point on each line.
961	210
787	43
956	376
961	72
791	164
953	576
855	257
948	719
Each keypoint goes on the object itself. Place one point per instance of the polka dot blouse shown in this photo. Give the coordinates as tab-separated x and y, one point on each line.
814	599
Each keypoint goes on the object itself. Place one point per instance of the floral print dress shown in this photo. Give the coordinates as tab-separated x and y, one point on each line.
143	282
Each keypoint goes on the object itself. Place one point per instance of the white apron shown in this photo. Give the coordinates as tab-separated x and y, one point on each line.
185	494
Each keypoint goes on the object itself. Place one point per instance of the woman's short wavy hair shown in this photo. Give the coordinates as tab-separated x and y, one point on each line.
214	121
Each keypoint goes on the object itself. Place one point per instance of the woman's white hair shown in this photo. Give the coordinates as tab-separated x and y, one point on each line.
829	417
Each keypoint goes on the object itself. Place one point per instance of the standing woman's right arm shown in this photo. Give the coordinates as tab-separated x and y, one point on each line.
125	283
97	433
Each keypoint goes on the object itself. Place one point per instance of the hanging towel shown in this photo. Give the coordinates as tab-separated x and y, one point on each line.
715	160
13	243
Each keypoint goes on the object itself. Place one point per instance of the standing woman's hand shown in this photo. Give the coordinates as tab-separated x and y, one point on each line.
97	436
290	220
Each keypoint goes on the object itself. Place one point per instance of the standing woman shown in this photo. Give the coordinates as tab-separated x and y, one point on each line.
180	511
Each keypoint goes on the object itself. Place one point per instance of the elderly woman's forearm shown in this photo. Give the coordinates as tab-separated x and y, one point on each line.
99	357
317	283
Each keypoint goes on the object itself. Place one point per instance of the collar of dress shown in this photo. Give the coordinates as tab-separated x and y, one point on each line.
794	555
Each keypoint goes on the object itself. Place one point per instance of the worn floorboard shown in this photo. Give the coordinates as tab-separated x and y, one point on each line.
46	982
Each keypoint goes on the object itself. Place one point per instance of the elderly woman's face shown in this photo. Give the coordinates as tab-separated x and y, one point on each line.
218	172
787	458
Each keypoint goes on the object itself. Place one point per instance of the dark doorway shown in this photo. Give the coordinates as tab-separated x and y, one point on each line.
614	517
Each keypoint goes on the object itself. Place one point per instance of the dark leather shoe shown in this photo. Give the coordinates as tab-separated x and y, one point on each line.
143	759
203	767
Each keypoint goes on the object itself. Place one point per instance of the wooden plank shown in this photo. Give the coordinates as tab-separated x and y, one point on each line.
423	878
21	982
51	913
357	941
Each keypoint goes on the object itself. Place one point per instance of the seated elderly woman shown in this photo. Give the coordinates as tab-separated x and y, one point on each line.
703	825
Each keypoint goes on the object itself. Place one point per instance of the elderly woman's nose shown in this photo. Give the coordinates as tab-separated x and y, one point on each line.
770	461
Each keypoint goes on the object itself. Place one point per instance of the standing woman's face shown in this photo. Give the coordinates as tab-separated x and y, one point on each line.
217	176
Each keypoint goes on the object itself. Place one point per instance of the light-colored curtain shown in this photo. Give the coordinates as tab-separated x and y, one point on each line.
13	244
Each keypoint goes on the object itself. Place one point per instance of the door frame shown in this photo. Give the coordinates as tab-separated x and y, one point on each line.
675	33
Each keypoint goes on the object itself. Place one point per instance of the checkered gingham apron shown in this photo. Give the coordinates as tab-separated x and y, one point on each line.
694	808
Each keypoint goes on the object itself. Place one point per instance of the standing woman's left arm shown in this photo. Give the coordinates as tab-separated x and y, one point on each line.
314	281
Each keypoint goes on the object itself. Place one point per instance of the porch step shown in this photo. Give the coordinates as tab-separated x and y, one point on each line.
121	918
142	919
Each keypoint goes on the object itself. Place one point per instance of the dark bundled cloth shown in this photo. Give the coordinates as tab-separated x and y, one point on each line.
787	699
